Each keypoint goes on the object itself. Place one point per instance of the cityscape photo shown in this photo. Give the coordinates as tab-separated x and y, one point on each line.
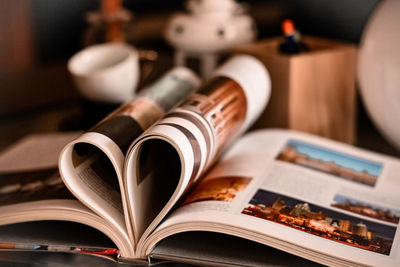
366	209
331	162
320	221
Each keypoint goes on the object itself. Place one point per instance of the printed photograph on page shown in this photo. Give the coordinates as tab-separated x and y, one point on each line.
224	188
341	165
330	224
367	209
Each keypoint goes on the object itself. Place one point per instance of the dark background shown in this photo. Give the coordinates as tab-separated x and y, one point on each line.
38	36
58	24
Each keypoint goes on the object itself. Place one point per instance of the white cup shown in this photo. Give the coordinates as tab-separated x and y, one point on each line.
107	72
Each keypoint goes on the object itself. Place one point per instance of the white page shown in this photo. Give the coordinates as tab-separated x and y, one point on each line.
35	151
33	190
190	138
254	158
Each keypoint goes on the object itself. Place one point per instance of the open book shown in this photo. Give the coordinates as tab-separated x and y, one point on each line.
191	175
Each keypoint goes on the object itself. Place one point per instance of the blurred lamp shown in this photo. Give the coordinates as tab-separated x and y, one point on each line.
209	28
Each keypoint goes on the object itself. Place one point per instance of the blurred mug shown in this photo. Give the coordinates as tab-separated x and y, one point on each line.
106	72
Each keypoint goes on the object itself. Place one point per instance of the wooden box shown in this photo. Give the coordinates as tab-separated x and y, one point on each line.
312	91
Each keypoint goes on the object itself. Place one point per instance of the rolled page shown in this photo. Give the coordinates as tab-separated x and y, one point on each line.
179	148
91	166
132	118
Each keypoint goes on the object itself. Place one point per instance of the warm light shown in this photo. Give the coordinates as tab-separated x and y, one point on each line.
287	26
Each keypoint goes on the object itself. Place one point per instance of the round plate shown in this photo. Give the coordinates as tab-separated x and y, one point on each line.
379	69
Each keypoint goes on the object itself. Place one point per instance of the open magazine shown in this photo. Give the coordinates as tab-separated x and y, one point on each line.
306	195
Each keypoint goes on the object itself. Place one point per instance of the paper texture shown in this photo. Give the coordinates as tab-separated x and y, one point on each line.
311	212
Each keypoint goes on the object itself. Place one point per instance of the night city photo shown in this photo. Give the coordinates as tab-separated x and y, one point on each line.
323	222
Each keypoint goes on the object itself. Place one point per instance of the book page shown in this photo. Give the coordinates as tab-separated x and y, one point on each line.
172	155
91	166
56	236
35	151
28	186
316	198
52	211
24	178
31	189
